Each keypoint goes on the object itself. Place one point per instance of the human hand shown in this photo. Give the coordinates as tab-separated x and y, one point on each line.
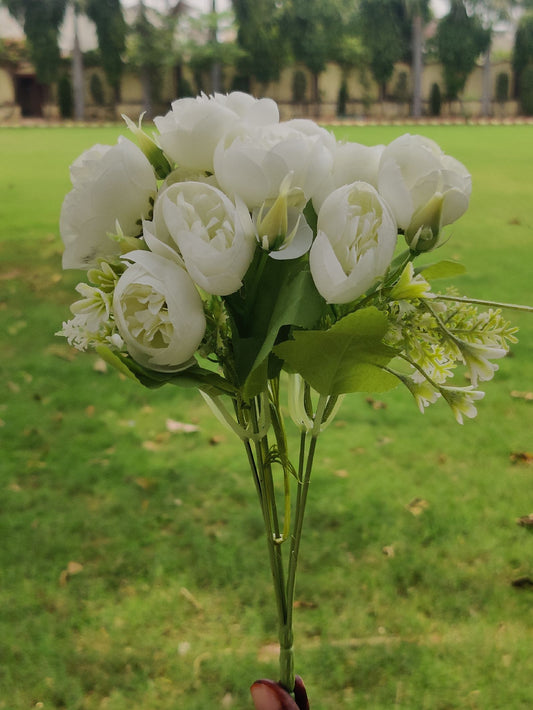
268	695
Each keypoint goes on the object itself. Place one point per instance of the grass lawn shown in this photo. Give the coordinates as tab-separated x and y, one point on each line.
133	571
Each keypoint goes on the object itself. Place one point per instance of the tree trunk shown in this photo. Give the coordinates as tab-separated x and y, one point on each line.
417	65
487	84
78	80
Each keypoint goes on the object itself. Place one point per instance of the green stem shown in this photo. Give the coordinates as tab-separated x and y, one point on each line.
305	468
260	460
482	302
281	441
268	506
296	537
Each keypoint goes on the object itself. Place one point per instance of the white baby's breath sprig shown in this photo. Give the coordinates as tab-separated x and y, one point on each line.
92	323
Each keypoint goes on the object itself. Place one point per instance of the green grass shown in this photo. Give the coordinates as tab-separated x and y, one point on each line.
172	605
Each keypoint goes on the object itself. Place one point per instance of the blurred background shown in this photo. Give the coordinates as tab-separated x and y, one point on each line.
348	59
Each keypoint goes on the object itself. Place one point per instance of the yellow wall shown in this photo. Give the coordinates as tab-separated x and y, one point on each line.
7	89
9	110
362	101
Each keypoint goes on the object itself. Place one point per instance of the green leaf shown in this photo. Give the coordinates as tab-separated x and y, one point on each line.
311	216
256	381
441	270
115	361
349	357
196	377
275	294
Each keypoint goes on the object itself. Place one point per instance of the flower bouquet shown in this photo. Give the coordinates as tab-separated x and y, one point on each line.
242	256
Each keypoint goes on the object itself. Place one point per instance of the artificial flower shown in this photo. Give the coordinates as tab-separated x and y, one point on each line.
254	163
356	237
113	190
158	312
352	162
213	235
424	188
190	131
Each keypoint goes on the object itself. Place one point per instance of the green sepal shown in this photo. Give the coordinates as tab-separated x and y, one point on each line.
150	148
349	357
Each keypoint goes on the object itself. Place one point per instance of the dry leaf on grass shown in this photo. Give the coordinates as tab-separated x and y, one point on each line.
376	403
522	395
174	427
521	457
526	521
341	473
100	366
71	569
65	352
227	701
190	598
417	506
16	327
301	604
145	483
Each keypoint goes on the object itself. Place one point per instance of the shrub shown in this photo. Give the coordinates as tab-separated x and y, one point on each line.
184	88
526	90
342	99
401	89
502	87
241	82
96	88
64	96
435	100
299	86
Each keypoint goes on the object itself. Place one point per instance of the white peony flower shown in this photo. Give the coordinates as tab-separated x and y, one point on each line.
424	188
158	312
190	131
352	162
253	164
356	237
213	235
113	189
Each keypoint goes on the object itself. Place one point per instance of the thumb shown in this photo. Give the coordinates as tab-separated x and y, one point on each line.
268	695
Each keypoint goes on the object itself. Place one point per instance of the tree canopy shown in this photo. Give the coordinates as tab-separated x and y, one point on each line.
313	28
111	32
41	20
260	37
523	49
385	30
461	38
